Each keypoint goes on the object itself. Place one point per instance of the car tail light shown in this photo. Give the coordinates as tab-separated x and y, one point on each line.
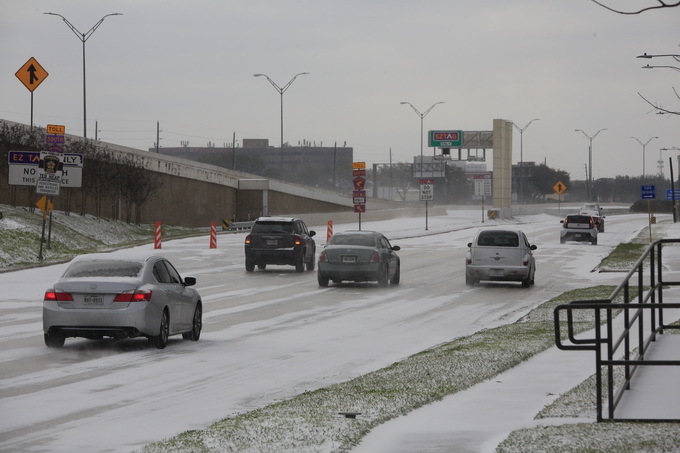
58	296
590	222
375	258
133	296
248	240
297	239
468	259
526	260
322	256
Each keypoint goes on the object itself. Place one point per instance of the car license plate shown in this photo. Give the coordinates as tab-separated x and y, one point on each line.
495	272
349	259
93	299
272	242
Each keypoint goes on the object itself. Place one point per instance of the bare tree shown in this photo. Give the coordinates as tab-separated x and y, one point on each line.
659	4
661	109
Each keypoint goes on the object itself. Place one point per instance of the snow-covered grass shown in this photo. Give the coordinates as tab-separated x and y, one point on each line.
69	235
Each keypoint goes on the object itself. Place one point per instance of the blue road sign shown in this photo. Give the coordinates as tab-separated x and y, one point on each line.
648	192
669	194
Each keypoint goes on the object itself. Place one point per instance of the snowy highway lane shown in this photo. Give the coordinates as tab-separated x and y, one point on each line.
268	335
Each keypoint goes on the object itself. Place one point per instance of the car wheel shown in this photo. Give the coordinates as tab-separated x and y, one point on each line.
250	265
397	276
300	263
54	341
323	281
562	240
383	278
526	282
160	341
594	241
311	264
195	333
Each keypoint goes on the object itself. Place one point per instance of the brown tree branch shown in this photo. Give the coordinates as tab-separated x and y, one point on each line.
662	4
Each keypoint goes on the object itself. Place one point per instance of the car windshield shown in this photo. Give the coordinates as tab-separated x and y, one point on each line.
103	268
273	227
352	239
498	239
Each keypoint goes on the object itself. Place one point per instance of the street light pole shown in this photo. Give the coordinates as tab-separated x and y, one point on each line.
281	91
591	191
521	158
644	145
84	37
422	116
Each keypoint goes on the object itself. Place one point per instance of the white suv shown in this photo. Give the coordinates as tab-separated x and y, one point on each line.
578	227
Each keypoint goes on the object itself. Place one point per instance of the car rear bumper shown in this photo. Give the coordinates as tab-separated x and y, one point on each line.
356	273
504	274
274	256
138	319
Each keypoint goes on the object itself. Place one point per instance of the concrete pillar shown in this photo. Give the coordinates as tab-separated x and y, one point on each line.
502	167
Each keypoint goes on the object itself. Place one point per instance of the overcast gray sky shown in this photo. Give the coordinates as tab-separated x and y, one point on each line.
190	66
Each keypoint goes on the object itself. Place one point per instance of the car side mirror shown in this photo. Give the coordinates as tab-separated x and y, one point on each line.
561	221
469	244
533	247
312	233
189	281
396	248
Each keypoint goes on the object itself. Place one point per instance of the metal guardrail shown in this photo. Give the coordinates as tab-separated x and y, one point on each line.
626	324
228	225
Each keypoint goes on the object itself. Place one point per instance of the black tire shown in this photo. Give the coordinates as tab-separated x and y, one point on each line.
383	278
197	324
526	282
261	266
311	264
397	276
54	341
562	240
300	263
323	281
250	265
594	241
160	341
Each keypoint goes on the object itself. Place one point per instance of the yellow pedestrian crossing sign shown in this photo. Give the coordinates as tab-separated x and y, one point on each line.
559	187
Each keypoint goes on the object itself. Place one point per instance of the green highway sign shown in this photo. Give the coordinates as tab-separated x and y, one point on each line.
446	139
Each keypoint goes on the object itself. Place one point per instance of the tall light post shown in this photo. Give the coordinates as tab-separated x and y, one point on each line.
591	192
644	145
84	37
521	159
422	116
281	91
670	166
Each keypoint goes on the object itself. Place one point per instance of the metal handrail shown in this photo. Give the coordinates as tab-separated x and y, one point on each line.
609	345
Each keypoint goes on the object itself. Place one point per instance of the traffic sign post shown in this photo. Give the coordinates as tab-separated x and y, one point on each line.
31	74
649	193
482	186
426	195
559	187
359	193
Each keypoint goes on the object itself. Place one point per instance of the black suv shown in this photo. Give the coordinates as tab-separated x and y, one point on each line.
280	240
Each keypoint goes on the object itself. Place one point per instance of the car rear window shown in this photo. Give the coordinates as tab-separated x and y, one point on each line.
498	239
352	239
272	228
578	219
102	268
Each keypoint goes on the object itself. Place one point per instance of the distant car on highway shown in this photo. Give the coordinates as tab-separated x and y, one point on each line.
280	240
500	255
359	256
577	227
105	296
597	217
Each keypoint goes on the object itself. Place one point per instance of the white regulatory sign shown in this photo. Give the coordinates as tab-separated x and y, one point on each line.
426	192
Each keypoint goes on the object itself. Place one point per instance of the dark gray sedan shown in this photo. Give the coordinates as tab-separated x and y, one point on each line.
101	295
359	256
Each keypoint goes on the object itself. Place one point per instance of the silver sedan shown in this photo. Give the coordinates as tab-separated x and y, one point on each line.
101	296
